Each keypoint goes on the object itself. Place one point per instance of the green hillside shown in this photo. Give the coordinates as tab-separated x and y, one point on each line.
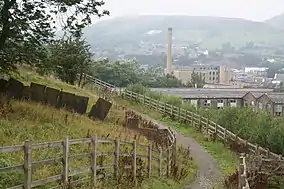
210	32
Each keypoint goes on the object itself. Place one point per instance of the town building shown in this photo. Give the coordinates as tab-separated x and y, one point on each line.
257	99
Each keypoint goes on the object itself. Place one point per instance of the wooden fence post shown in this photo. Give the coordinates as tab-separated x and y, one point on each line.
186	114
215	132
27	165
134	163
94	162
179	113
149	160
116	158
165	108
160	161
192	119
157	106
199	122
268	153
65	161
169	162
240	173
225	136
172	110
143	99
207	125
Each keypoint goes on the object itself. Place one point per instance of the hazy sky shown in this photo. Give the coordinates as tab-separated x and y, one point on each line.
257	10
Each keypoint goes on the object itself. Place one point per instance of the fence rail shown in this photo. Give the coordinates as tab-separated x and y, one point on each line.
162	157
202	123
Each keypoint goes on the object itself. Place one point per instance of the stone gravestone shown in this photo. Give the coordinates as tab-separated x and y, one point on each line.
15	88
132	123
37	92
100	109
66	100
26	94
52	96
3	85
80	104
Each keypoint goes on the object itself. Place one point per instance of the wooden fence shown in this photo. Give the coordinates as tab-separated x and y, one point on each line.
152	156
205	125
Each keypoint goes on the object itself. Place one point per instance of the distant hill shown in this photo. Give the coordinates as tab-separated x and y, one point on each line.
209	32
276	21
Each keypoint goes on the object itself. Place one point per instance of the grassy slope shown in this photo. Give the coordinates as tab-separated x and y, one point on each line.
23	120
227	160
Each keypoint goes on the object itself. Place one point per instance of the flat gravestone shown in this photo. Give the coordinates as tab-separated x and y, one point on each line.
132	123
52	96
66	100
80	104
15	88
3	85
26	93
37	92
100	109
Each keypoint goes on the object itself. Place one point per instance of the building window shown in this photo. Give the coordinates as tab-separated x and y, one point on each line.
209	73
260	105
220	104
207	103
209	78
278	110
214	73
213	78
233	103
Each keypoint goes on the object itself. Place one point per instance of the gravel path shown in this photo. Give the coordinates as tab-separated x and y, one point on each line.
208	170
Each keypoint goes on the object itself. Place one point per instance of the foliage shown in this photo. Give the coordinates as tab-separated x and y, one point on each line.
26	25
197	81
124	73
69	57
258	127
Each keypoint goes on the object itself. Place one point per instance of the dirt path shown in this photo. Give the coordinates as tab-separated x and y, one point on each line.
209	172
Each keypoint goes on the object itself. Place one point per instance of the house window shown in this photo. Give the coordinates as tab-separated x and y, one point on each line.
213	73
209	73
278	110
220	104
260	105
233	103
246	103
213	78
207	103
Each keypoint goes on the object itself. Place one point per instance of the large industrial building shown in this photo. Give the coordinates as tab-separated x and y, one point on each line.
210	74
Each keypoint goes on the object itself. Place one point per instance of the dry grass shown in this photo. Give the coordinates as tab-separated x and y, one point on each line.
26	120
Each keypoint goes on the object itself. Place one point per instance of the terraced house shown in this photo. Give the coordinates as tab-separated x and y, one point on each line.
258	99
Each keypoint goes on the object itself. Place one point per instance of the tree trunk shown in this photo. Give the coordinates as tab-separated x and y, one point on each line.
5	19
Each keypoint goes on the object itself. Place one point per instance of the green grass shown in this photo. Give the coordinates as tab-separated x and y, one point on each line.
22	120
226	159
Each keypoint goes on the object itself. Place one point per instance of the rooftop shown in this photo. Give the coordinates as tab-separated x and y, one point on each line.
212	92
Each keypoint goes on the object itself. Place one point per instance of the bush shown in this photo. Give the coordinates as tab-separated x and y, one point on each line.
258	127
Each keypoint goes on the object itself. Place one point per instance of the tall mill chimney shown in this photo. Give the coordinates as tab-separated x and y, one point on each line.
169	54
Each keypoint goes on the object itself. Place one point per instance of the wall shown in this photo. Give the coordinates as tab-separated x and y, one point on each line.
15	89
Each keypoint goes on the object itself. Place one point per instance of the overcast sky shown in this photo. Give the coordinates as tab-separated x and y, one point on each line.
257	10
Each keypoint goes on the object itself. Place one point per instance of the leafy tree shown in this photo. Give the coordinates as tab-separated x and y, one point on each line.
70	56
124	73
26	25
196	80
